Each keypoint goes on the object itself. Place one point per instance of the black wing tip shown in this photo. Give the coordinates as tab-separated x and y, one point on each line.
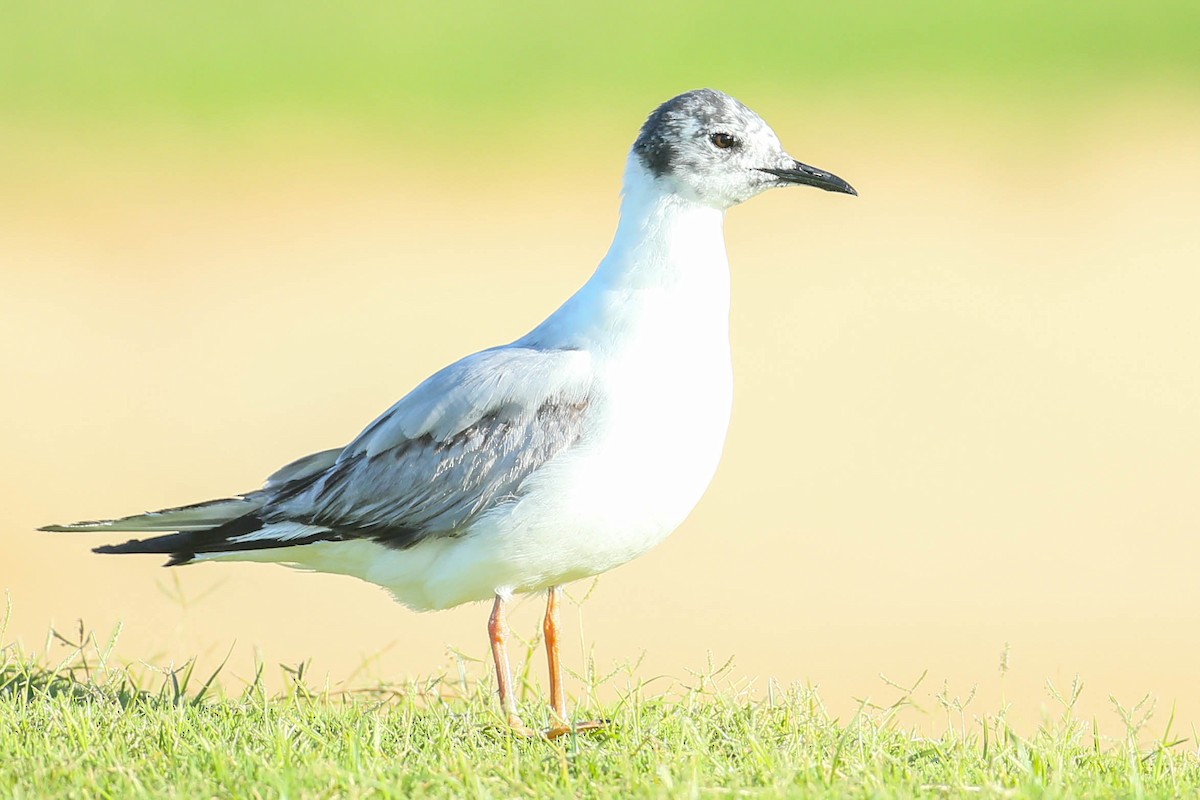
131	546
145	547
182	548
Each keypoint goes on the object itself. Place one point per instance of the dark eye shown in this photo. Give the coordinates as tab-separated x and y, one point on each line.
724	141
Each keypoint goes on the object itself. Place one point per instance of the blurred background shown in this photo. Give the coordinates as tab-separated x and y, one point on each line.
968	401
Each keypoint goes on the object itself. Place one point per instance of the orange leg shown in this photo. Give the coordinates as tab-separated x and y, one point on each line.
498	633
558	698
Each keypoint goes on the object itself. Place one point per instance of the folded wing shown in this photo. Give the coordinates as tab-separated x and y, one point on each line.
459	444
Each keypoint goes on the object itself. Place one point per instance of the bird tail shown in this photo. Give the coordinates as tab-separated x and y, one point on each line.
217	527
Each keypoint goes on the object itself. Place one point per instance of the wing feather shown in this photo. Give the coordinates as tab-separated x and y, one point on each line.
463	440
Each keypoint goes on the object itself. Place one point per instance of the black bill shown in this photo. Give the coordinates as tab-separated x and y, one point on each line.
811	176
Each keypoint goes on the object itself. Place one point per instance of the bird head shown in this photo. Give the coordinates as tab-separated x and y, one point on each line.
711	148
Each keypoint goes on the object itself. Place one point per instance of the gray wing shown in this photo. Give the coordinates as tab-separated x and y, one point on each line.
301	468
458	444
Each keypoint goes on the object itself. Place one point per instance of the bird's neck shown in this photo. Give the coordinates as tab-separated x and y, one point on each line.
668	256
662	238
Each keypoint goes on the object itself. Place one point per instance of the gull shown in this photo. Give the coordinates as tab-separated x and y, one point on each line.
570	451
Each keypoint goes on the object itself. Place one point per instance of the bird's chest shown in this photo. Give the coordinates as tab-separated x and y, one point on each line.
668	403
661	429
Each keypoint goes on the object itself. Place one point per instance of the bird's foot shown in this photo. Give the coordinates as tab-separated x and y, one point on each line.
564	728
519	728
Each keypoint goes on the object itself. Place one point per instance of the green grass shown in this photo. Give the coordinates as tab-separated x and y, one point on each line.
85	728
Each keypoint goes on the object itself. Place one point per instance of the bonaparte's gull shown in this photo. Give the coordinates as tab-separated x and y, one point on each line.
566	453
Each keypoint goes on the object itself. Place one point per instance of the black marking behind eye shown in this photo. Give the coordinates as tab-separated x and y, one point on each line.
723	141
674	129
